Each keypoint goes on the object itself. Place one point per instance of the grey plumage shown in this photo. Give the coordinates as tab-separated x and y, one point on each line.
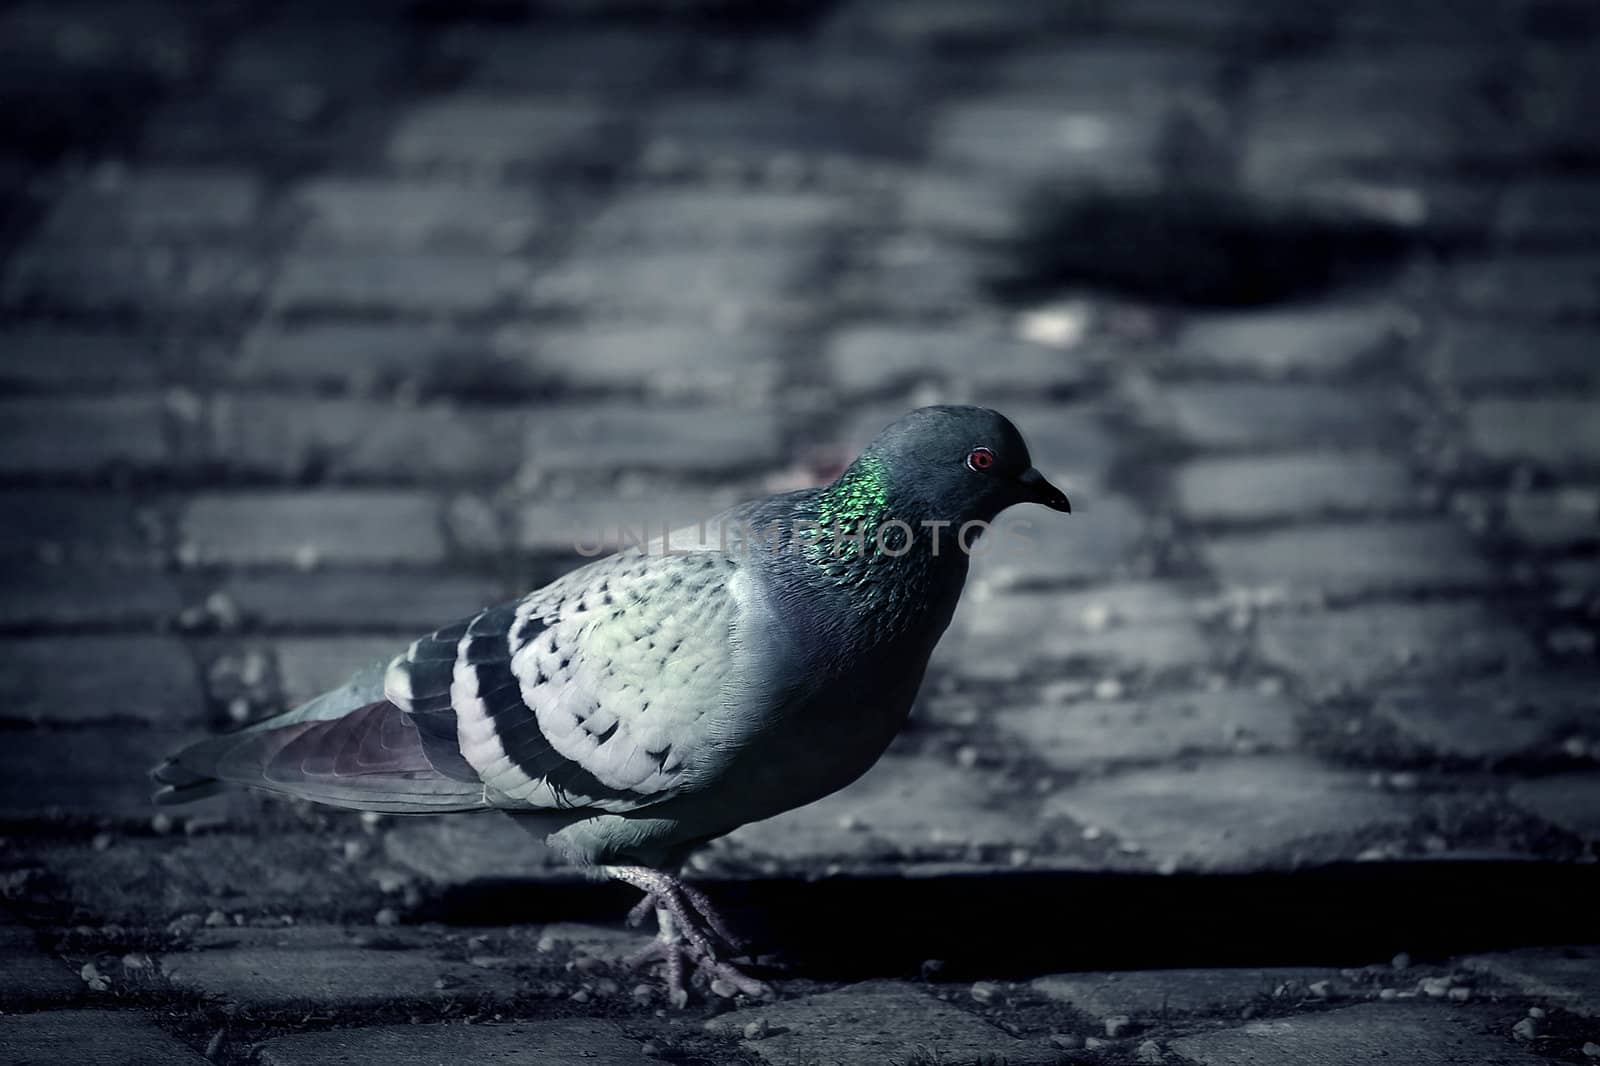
652	700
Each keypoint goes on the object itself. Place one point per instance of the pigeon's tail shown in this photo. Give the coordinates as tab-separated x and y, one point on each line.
368	758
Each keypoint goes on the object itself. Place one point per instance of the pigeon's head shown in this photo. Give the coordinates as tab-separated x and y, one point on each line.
962	462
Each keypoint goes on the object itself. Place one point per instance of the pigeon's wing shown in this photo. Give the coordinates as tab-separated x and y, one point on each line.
609	689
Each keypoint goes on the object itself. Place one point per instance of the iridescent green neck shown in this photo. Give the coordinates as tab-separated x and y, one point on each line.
860	495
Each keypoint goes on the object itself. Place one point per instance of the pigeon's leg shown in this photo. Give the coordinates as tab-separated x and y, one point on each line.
680	914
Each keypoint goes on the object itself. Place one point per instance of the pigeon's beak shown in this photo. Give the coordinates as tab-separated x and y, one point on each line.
1041	491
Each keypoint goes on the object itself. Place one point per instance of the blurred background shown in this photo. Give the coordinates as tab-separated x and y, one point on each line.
325	324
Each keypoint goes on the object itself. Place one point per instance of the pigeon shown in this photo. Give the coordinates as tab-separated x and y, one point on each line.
654	699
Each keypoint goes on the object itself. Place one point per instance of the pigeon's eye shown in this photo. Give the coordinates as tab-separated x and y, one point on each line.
980	459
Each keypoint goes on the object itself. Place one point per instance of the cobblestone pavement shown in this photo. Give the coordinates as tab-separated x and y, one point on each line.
327	323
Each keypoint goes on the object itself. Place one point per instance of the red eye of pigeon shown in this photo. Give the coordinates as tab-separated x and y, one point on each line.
980	459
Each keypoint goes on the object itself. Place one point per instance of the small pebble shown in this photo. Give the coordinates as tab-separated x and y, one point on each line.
580	996
1461	995
756	1030
215	1044
1117	1024
387	916
215	919
642	993
1401	961
724	988
967	756
715	1025
1592	1050
161	824
1536	1012
1094	1043
101	842
1388	994
1526	1029
89	972
1107	689
606	987
136	960
1434	987
1066	1041
985	991
1149	1051
1321	989
650	1047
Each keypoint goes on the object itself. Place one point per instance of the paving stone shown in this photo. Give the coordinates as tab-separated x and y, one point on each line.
1489	354
721	284
609	436
472	133
358	599
453	851
1567	976
1553	209
90	1038
1536	286
1265	487
967	206
147	279
1110	142
1372	1032
590	525
579	59
1346	559
914	275
1493	718
386	212
110	770
717	216
495	1044
1102	539
876	358
1158	993
362	440
1234	813
1351	648
89	594
300	528
906	807
81	436
54	357
1258	415
337	976
366	356
29	974
721	130
1571	801
57	526
1313	340
670	359
86	679
1087	734
1552	519
438	282
310	667
878	1020
147	204
1557	432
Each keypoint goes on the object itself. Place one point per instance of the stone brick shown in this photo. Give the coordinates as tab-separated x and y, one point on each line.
153	204
358	599
1297	340
1261	812
1403	1032
575	526
662	358
1257	415
78	527
611	436
1555	432
404	213
1031	136
1551	210
334	974
109	775
719	284
1494	718
485	134
1156	994
1345	559
907	807
1567	976
960	205
878	1021
455	851
721	130
91	1038
557	1040
291	438
81	436
301	528
875	358
89	594
29	974
718	216
368	356
1551	519
1484	355
148	279
87	679
63	357
312	666
1571	801
915	275
440	282
581	60
1102	539
1535	286
1261	488
1086	735
1355	647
